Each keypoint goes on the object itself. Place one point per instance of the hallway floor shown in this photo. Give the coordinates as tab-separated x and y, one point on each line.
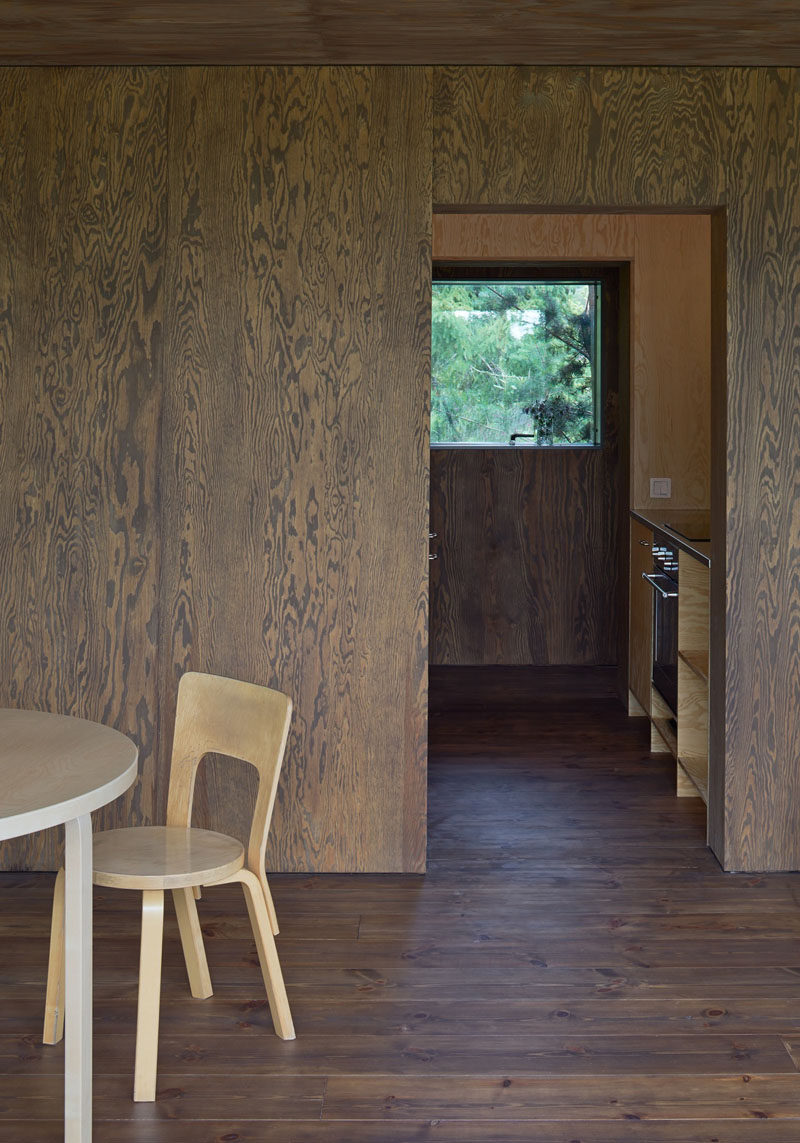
574	968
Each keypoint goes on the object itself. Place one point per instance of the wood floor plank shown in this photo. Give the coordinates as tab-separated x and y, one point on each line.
418	1131
364	1014
501	1097
419	1054
574	967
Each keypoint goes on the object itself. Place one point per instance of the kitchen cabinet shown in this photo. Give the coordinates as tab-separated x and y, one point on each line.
683	732
640	631
692	712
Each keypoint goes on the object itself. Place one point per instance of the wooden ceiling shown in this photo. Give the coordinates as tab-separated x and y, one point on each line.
621	32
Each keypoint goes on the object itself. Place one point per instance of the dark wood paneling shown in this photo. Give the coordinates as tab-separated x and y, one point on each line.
400	32
527	562
81	405
295	438
511	135
719	520
762	659
579	137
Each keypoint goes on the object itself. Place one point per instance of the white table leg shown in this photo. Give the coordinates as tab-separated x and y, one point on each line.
78	973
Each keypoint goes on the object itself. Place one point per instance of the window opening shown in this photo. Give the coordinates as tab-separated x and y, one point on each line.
515	358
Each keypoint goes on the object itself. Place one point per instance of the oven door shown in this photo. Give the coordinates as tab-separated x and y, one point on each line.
665	637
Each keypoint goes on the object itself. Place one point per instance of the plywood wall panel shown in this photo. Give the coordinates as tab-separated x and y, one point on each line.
295	482
81	407
671	359
515	135
762	659
530	236
579	137
527	557
658	138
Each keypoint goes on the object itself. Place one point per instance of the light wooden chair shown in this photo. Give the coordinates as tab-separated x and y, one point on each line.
219	716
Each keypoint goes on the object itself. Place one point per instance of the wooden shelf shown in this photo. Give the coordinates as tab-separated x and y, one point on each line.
667	732
696	767
698	661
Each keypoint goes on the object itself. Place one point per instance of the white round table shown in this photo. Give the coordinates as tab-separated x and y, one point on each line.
53	770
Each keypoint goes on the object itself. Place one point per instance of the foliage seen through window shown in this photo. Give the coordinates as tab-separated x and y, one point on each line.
515	358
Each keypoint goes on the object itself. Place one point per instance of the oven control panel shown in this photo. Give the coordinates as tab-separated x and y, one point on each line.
665	559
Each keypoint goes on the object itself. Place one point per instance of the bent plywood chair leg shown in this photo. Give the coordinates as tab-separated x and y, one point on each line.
273	916
194	952
144	1081
54	998
267	953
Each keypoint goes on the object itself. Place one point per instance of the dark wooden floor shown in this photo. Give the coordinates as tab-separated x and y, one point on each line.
574	967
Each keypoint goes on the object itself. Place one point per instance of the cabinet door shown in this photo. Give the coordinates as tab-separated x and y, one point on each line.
640	650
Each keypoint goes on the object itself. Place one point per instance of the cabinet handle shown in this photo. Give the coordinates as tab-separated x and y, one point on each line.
432	535
661	591
434	556
644	543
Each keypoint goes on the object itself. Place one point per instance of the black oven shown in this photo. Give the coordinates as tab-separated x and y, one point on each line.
664	582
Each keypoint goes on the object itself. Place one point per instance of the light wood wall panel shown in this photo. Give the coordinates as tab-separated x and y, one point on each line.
671	359
638	138
83	217
295	438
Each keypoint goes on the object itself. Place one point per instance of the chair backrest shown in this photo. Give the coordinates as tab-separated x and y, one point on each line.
216	715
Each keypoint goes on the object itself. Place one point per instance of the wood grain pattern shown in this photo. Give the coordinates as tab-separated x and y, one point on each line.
295	493
640	632
86	230
527	556
622	138
761	662
474	236
79	558
693	661
399	32
671	359
717	704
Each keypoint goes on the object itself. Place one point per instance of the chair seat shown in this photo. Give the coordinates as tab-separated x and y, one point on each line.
163	857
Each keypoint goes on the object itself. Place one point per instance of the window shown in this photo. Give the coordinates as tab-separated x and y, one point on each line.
515	357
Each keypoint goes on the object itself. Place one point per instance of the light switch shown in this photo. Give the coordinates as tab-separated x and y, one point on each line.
660	487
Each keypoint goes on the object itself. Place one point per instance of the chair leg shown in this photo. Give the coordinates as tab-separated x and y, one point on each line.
273	916
144	1082
267	954
194	952
54	997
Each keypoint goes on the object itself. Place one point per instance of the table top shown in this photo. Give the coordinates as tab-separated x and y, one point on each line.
54	768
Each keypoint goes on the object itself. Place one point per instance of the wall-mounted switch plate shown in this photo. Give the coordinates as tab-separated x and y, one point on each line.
660	487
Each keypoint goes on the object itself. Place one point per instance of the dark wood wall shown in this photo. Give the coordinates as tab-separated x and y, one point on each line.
83	217
162	315
527	556
717	139
211	281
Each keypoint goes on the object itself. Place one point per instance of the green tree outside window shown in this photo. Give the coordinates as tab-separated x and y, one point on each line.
514	358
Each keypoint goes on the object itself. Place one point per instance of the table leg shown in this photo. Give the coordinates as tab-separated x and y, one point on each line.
78	973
